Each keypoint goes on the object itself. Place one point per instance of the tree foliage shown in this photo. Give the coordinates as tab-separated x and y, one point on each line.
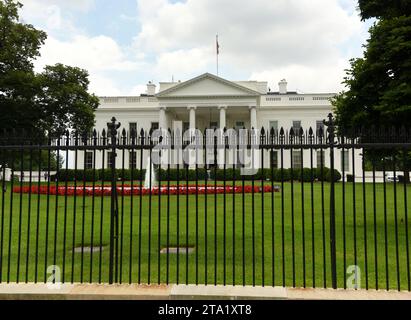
379	84
50	102
384	9
64	101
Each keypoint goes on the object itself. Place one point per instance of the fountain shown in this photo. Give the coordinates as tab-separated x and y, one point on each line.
150	180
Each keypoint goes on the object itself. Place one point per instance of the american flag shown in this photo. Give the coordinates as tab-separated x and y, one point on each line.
218	46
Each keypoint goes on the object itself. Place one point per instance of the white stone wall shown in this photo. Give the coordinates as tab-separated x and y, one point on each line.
209	92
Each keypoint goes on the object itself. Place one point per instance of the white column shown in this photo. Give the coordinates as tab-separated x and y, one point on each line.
223	121
192	153
163	118
192	110
253	117
223	116
255	154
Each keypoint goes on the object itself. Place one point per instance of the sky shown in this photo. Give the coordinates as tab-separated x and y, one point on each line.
126	43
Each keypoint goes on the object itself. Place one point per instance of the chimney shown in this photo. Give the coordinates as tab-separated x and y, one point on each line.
283	86
151	89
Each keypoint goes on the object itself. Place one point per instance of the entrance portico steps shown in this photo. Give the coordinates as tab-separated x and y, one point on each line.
186	292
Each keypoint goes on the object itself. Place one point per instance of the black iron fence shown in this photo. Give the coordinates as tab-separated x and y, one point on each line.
298	208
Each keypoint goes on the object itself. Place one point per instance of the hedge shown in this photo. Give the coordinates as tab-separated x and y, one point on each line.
127	175
98	175
307	175
278	175
181	174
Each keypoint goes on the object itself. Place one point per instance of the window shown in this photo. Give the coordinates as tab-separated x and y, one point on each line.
345	160
108	132
297	161
296	126
274	125
132	160
89	160
154	126
319	124
186	126
274	159
109	159
320	158
213	125
132	126
239	124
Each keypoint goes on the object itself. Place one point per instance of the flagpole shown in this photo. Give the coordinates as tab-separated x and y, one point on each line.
217	52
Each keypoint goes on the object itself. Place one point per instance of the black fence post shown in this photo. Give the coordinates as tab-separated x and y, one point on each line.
113	127
331	142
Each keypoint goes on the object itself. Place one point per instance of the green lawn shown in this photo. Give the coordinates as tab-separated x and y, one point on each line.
254	254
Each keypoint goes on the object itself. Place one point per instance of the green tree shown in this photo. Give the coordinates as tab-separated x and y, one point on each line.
50	102
19	46
379	84
42	104
384	9
64	101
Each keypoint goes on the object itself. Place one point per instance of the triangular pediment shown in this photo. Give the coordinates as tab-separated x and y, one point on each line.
207	85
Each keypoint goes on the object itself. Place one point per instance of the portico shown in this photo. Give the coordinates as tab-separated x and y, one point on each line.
207	102
205	117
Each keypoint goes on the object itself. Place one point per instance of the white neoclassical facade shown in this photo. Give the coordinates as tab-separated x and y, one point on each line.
209	101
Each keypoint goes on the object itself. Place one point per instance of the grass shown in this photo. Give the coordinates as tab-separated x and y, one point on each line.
256	239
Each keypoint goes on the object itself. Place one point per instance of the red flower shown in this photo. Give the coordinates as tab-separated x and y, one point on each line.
139	190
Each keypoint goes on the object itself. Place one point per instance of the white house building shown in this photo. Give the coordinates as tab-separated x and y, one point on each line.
209	101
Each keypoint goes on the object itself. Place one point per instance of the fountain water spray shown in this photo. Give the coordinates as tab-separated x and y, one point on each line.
150	180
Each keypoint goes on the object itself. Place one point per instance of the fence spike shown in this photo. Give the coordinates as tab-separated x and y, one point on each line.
272	131
321	132
310	131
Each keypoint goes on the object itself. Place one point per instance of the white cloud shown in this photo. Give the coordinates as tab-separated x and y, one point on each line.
326	78
186	63
309	42
102	85
77	5
67	43
52	16
100	56
260	37
138	89
99	53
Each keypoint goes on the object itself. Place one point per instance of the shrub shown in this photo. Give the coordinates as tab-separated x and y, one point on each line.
65	175
282	175
125	175
337	176
322	173
138	174
106	174
265	174
87	175
306	175
182	174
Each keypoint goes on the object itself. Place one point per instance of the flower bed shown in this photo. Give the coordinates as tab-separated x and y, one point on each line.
137	190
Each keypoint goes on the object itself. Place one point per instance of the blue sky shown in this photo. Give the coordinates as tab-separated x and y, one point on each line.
126	43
